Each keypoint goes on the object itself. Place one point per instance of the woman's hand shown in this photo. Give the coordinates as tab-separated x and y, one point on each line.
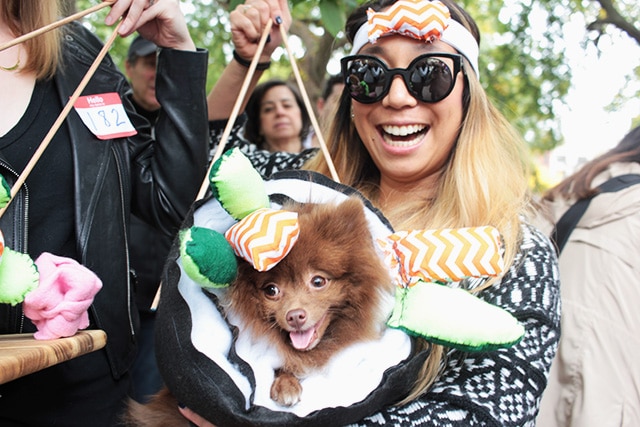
248	21
159	21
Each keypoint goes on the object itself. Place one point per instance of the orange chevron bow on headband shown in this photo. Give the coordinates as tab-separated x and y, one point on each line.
418	19
423	20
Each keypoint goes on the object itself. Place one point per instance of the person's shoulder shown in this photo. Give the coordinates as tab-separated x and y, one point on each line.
532	282
80	47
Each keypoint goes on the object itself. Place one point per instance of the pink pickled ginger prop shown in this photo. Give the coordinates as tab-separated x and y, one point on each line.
59	305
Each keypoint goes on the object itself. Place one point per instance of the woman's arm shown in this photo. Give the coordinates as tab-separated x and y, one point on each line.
248	21
167	171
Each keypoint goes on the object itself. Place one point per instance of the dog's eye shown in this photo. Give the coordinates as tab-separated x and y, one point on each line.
271	290
318	281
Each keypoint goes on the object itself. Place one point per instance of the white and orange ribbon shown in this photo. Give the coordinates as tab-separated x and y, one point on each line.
264	237
417	19
444	255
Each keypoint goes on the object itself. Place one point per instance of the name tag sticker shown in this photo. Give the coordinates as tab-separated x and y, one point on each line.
104	115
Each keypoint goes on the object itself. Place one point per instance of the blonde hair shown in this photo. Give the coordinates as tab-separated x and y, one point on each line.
24	16
483	183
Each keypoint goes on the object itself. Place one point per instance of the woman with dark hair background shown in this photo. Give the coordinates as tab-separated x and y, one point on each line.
277	119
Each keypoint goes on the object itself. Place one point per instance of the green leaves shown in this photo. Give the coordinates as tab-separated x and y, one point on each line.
522	59
332	16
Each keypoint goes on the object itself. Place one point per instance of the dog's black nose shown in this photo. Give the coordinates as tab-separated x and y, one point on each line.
296	318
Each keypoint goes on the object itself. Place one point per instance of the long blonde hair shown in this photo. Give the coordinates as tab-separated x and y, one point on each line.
24	16
483	183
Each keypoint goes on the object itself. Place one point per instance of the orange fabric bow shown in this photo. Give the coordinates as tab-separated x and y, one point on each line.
419	19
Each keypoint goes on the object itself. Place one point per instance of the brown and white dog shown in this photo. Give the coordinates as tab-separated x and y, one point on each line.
322	297
325	295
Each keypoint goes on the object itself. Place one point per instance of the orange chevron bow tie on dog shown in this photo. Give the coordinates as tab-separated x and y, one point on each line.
264	237
418	19
448	255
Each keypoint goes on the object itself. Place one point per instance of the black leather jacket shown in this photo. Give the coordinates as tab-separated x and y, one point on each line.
158	180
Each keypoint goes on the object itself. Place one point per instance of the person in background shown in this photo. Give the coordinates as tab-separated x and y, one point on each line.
148	246
595	377
276	117
326	106
76	201
416	133
140	68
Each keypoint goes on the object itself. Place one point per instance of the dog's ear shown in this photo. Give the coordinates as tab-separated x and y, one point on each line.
353	206
352	218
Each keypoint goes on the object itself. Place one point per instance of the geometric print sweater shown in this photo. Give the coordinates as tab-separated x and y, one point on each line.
495	388
501	387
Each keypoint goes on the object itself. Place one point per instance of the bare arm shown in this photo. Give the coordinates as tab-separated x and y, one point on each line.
248	21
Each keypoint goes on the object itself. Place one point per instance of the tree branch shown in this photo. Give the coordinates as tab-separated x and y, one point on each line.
613	17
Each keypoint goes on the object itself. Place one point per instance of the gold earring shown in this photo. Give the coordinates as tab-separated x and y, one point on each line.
14	66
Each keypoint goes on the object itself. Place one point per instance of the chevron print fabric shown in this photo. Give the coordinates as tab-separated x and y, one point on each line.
422	20
448	254
264	237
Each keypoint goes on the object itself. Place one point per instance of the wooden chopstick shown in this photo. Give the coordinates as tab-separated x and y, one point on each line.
56	24
63	115
307	103
236	107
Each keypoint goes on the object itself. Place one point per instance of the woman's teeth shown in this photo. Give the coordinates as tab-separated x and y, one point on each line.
402	136
402	130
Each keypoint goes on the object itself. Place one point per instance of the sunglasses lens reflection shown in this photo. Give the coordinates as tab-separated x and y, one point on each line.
428	79
366	80
431	80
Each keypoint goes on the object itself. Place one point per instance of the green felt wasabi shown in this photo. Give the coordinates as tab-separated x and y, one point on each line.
207	257
5	192
18	276
237	185
454	318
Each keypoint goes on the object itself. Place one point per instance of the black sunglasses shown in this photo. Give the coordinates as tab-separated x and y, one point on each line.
428	78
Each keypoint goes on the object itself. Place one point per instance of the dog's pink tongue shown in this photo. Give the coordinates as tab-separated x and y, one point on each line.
301	339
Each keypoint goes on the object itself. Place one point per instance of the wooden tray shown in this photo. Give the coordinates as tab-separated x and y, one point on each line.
21	354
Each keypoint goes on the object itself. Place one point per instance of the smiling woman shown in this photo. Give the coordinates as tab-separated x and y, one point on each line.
416	134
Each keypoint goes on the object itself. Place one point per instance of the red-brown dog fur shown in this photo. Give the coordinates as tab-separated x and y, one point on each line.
332	273
331	280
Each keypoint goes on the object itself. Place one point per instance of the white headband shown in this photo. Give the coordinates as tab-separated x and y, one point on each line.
395	21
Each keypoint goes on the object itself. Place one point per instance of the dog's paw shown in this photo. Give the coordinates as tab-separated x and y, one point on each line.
286	389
